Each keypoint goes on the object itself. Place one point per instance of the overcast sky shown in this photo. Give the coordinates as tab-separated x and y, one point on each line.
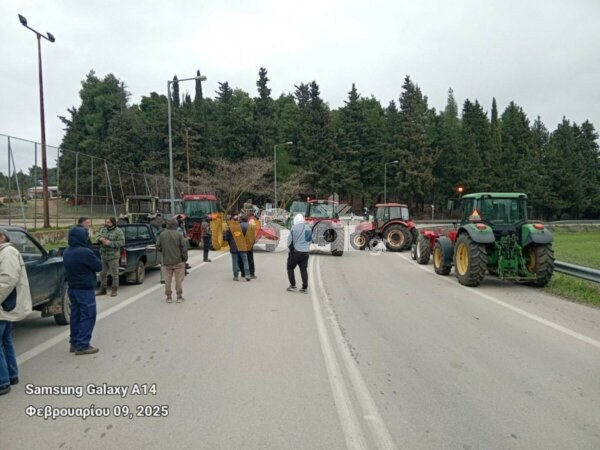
543	54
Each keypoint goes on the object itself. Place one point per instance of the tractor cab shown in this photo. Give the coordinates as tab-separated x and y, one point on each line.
385	212
505	214
141	208
322	209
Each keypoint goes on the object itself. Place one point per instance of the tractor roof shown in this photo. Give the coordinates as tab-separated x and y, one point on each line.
385	205
199	197
478	195
332	202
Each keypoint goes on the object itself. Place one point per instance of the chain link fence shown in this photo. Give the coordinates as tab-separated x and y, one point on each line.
78	185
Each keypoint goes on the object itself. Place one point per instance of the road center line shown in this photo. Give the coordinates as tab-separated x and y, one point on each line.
24	357
548	323
351	428
378	428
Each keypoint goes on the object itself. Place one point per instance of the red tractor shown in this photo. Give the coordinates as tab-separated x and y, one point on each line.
195	208
327	228
391	224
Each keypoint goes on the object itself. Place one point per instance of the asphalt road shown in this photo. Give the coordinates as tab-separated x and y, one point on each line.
382	353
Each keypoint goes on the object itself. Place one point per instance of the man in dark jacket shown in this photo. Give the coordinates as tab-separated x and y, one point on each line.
173	247
206	237
81	266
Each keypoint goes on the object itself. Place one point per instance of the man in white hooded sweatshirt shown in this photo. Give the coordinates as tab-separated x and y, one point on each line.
299	242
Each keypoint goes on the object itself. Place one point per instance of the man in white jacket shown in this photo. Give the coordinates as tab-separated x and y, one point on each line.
13	276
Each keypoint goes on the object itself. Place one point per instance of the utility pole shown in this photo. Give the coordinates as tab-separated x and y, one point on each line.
187	153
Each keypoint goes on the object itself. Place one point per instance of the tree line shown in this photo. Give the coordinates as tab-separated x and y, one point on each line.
341	150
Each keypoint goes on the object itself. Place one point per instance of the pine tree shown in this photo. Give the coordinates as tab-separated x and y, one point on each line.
518	160
264	117
175	99
446	171
417	157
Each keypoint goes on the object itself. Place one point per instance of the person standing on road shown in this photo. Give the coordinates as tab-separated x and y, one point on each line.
173	247
299	242
250	237
112	239
81	266
236	238
15	305
206	237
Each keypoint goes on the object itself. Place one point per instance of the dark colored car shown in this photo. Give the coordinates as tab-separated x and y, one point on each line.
46	273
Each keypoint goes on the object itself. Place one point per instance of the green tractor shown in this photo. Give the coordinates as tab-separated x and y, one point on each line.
495	236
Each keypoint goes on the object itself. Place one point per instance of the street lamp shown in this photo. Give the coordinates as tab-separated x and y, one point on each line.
385	179
50	38
171	184
275	161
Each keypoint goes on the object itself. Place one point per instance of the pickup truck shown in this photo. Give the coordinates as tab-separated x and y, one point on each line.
139	252
46	274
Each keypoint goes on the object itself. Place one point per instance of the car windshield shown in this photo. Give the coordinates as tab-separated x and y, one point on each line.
321	211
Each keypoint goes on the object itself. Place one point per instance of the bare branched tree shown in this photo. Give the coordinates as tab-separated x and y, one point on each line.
232	180
297	184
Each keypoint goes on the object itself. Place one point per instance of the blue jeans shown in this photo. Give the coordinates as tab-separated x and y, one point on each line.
8	358
83	317
236	265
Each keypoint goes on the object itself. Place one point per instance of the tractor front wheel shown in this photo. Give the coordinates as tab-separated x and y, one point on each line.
396	238
439	265
539	262
470	261
358	241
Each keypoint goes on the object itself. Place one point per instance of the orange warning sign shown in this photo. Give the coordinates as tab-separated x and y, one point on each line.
475	217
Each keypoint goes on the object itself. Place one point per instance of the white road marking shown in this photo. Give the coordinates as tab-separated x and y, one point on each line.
379	431
32	353
548	323
351	428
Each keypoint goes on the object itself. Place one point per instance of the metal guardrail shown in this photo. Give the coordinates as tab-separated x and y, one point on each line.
574	270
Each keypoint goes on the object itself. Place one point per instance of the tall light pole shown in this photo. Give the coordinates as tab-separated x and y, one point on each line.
187	155
275	161
171	183
49	38
385	179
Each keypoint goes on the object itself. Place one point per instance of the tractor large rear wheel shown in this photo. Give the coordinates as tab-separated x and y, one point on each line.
422	250
539	262
470	261
396	238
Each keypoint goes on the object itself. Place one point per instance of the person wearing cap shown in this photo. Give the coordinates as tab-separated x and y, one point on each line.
112	239
81	266
15	305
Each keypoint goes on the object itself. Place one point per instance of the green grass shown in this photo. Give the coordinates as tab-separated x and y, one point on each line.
581	248
578	247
